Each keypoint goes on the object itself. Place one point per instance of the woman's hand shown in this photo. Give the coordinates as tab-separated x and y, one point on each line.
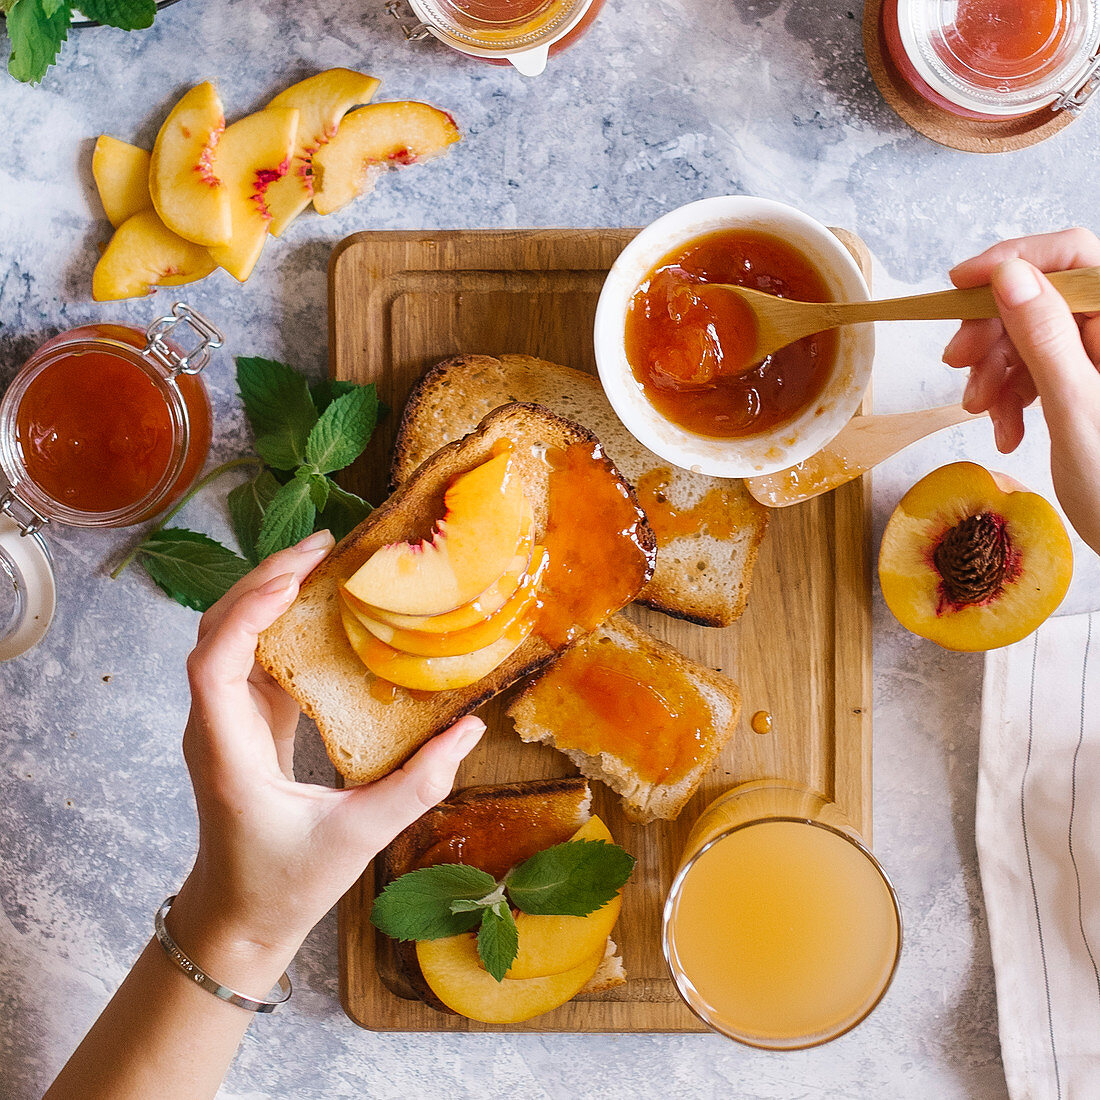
275	855
1038	348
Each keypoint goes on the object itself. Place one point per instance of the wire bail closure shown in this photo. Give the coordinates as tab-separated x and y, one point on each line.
1074	99
162	353
415	32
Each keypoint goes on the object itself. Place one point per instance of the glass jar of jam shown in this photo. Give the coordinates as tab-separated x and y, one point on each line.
521	33
104	426
996	59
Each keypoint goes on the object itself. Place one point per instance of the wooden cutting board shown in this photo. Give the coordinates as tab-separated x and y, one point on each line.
400	302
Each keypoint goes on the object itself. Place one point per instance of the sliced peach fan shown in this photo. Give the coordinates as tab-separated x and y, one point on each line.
972	560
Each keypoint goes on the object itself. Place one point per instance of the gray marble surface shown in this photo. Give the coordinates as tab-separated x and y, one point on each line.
665	101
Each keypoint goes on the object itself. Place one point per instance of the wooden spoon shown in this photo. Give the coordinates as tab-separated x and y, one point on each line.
865	442
780	321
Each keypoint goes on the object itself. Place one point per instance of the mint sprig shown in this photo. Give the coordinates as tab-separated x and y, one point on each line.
38	28
303	435
571	879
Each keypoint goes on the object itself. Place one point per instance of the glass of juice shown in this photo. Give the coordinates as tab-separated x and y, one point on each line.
781	930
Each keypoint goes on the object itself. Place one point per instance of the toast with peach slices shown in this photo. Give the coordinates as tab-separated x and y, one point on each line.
708	529
492	828
370	726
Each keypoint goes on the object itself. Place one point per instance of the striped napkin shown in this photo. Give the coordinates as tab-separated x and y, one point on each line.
1038	834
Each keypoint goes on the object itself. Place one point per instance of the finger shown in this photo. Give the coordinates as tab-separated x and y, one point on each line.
1007	414
987	377
972	343
300	560
1047	251
225	656
1042	328
378	812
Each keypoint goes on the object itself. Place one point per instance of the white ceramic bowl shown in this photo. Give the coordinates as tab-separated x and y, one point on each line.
786	444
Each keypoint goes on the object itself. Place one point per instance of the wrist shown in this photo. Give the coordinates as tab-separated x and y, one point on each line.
224	945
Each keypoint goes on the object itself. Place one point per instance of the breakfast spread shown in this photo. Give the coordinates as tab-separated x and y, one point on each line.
708	529
685	340
634	713
537	461
972	560
538	844
209	195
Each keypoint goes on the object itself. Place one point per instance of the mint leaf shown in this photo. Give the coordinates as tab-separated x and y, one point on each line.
127	15
498	940
279	408
36	38
416	906
192	568
571	879
327	390
343	512
319	488
51	7
288	518
247	504
343	430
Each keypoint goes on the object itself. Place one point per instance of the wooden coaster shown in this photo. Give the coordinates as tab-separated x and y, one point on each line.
969	135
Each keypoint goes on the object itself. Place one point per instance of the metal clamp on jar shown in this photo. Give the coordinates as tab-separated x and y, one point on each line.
522	34
104	426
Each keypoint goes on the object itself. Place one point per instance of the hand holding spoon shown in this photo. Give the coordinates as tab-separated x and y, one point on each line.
865	442
777	322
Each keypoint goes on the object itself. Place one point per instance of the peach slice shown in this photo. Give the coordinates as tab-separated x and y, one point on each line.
472	547
457	642
431	673
121	173
453	970
253	153
144	254
183	181
471	614
971	560
552	945
321	101
383	135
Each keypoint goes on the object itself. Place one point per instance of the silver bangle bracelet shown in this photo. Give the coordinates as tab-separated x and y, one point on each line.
231	996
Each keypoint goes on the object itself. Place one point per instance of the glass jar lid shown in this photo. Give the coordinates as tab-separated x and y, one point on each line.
1004	58
28	591
519	31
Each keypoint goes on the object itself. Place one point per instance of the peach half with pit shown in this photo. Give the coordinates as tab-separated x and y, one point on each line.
144	254
253	153
184	183
381	135
455	643
321	101
121	174
972	560
472	547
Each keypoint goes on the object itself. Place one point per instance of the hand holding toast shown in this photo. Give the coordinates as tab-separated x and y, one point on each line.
1038	348
275	855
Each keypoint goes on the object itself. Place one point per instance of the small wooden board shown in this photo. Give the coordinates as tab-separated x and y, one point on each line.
970	135
400	302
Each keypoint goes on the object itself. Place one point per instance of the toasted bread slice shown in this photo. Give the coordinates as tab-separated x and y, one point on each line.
366	732
708	529
493	828
549	709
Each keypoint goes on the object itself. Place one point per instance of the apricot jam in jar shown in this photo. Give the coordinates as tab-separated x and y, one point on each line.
106	426
996	59
685	341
